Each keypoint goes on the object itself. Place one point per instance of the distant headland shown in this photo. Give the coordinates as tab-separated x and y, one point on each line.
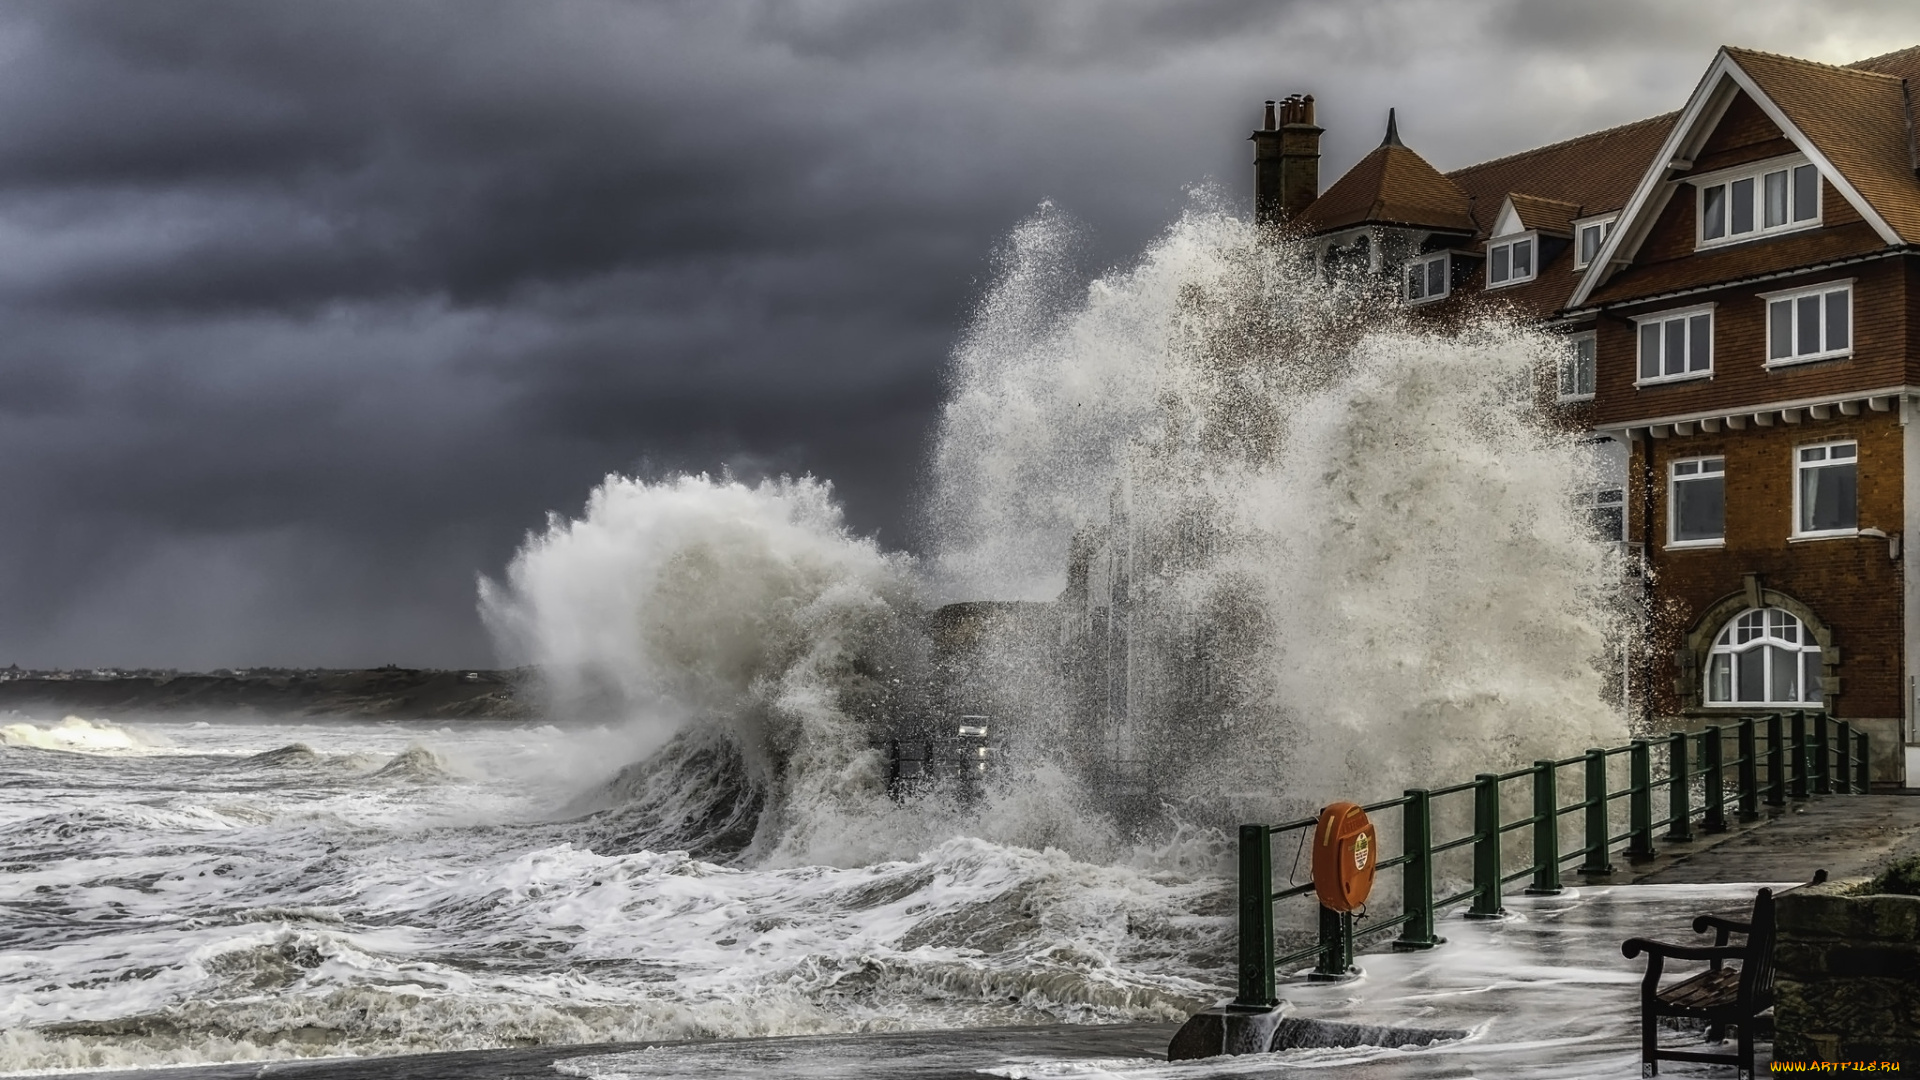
385	692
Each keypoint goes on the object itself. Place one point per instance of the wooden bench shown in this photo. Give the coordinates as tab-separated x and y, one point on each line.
1722	996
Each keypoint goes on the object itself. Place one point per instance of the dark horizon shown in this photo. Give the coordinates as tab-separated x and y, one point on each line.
315	311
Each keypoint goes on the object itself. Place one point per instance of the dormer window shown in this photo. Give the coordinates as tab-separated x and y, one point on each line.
1511	261
1588	237
1427	278
1758	200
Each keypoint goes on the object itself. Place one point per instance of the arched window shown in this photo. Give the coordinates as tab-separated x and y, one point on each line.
1763	657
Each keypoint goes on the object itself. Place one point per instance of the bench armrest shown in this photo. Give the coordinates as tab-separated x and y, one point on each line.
1633	947
1704	923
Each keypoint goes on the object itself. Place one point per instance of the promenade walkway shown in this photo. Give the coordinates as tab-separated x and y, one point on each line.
1544	993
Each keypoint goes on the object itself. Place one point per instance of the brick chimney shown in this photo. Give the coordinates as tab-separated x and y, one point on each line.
1286	161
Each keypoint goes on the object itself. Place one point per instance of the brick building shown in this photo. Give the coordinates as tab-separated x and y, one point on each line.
1739	284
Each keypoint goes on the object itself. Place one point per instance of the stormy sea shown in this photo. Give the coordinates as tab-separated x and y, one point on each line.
1213	537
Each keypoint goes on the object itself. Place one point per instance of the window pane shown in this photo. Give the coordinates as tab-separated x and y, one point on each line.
1676	347
1713	212
1740	202
1810	676
1720	678
1523	259
1784	685
1806	193
1589	242
1649	350
1583	366
1827	494
1776	197
1607	522
1806	336
1752	675
1437	277
1499	271
1841	450
1779	329
1839	316
1700	509
1700	352
1416	283
1568	376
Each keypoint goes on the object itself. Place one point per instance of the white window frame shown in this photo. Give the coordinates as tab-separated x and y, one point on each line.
1789	296
1533	262
1605	224
1445	258
1570	363
1756	172
1704	466
1759	644
1687	372
1800	466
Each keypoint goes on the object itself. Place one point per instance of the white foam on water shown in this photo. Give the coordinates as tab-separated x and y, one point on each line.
76	734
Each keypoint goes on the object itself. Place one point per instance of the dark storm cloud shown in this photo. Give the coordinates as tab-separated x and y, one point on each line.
312	310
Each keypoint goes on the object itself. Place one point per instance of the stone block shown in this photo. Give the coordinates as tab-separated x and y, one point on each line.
1224	1030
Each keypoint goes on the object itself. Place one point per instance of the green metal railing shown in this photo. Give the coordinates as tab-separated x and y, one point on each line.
1821	757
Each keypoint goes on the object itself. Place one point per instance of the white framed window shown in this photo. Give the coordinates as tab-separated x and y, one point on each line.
1765	656
1576	369
1757	200
1512	261
1826	489
1697	502
1810	324
1427	278
1602	495
1588	236
1675	345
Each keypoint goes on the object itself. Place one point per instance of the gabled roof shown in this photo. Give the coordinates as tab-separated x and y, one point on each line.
1858	120
1851	122
1391	186
1544	215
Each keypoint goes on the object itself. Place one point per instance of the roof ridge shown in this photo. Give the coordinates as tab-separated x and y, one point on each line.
1865	60
1849	69
1557	145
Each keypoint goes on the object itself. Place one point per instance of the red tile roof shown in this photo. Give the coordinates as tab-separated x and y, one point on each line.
1391	186
1857	118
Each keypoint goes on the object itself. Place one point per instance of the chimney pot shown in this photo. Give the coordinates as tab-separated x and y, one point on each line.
1270	121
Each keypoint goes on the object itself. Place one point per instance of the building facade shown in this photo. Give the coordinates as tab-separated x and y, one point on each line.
1739	286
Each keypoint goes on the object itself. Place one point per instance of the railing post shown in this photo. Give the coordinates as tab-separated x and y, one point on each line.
1860	775
1596	802
1486	848
1640	800
1336	946
1843	763
1799	754
1546	831
1822	757
1256	919
1749	793
1713	749
1776	761
1416	877
1679	788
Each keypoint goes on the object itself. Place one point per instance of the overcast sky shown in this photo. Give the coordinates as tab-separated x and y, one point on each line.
313	308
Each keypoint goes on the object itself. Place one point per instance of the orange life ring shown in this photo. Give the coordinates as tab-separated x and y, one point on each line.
1345	851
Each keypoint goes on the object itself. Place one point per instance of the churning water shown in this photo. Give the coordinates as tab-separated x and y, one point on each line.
1277	540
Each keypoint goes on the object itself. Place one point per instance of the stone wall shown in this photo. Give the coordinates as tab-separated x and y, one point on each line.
1847	976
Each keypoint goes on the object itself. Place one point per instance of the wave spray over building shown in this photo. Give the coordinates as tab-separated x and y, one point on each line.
1219	533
